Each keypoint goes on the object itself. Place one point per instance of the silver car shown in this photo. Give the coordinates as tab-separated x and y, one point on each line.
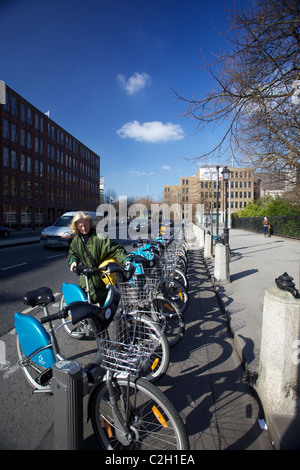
59	234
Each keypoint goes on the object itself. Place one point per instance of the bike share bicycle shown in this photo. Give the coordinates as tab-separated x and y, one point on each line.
130	311
127	412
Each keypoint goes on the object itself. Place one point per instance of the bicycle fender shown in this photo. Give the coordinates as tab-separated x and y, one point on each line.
73	293
33	338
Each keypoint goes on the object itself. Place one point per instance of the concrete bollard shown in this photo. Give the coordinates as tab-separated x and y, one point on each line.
278	383
208	246
221	271
201	238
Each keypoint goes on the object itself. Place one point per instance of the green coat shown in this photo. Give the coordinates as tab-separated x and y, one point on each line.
100	247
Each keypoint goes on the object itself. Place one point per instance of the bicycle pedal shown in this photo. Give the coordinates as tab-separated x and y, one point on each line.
45	376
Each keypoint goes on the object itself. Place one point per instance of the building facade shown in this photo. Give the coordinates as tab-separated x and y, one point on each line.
208	189
45	171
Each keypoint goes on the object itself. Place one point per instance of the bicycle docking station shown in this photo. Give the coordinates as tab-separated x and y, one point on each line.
68	387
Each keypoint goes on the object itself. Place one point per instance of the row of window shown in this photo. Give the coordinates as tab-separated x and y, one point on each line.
54	133
36	191
10	216
10	160
53	152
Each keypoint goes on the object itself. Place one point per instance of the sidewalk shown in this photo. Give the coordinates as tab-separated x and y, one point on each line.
20	238
255	264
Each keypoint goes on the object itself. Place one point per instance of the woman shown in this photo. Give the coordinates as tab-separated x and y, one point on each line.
266	224
91	249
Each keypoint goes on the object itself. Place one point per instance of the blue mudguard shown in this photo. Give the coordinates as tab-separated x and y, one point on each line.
73	293
33	337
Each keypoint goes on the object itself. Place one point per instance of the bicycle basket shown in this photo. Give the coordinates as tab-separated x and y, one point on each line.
137	292
129	342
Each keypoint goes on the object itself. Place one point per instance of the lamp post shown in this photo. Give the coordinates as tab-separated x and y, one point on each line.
218	187
226	174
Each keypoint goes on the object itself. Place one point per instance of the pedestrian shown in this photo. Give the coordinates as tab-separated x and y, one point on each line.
270	231
265	224
90	249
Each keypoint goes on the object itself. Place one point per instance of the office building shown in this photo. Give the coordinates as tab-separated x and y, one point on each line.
207	188
45	171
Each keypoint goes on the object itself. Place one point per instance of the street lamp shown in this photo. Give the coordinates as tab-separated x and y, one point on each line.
226	174
218	188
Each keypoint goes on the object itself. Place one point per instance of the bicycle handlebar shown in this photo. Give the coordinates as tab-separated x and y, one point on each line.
56	316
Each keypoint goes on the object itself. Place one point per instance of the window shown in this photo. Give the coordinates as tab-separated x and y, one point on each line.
23	162
23	138
29	117
13	130
23	112
28	189
37	144
29	168
23	188
13	159
26	216
5	156
6	185
29	141
37	122
13	186
5	129
13	106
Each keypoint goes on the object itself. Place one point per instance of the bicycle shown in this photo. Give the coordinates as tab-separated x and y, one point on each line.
158	362
147	247
165	269
144	292
126	411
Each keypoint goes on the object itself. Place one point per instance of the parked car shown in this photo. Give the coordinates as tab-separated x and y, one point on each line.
4	232
59	234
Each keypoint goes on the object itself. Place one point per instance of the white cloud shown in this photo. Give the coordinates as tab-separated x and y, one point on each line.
133	84
154	131
166	167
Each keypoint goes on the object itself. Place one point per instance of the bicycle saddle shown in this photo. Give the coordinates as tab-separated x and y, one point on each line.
41	296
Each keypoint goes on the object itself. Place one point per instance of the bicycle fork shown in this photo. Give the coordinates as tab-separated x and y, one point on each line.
124	433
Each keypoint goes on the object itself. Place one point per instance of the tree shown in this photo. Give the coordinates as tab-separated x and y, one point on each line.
257	93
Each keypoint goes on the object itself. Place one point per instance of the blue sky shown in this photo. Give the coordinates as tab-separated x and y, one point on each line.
105	69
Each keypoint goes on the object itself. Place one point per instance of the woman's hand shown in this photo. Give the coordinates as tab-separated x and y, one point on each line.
73	265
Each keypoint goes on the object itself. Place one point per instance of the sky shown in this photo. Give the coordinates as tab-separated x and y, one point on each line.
107	70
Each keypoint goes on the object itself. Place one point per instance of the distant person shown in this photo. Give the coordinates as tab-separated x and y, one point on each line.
265	224
91	249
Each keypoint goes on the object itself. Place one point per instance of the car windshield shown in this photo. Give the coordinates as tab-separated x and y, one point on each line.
64	221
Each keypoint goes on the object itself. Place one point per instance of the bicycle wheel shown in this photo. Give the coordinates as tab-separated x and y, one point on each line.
158	363
152	421
175	325
177	293
81	330
181	277
38	377
181	263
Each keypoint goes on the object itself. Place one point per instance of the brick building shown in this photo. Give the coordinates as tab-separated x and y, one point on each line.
45	171
202	189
